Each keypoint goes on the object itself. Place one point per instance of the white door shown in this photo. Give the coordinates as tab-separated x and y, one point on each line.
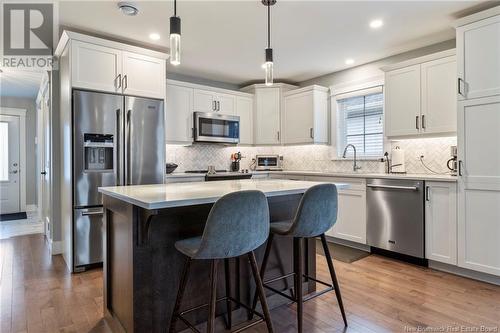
479	184
226	104
205	101
439	96
179	114
96	67
10	185
143	75
402	101
244	109
441	222
267	117
298	118
478	46
43	145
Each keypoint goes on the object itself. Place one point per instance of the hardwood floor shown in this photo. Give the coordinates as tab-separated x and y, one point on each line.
380	295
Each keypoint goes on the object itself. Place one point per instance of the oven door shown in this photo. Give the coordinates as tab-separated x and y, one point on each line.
213	127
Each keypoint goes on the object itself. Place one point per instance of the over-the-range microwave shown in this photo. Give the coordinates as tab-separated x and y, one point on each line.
216	127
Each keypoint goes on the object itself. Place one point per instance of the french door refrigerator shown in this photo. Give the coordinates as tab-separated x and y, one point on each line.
117	140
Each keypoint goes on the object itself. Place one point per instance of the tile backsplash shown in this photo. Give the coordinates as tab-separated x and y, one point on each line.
436	152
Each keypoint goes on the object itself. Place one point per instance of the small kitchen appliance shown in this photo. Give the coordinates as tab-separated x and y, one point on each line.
452	163
269	163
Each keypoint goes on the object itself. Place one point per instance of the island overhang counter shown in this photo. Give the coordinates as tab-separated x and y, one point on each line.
142	268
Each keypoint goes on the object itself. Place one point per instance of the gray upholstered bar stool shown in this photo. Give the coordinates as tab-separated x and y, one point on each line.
237	224
317	213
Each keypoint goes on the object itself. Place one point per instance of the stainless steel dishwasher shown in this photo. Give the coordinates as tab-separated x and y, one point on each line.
395	215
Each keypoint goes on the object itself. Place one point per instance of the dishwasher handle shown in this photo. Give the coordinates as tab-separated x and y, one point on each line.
392	187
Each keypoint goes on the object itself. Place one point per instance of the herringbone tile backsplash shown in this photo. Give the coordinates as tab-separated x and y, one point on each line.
436	152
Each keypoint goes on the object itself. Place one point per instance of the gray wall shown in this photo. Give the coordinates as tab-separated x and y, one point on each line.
31	151
373	68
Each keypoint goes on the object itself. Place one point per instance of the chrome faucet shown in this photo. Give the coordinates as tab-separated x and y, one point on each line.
354	165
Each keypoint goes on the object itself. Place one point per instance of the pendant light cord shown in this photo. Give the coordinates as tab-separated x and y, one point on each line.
175	7
268	25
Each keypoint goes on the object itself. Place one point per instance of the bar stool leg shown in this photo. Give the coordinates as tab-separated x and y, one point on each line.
333	276
262	271
213	297
228	293
260	291
180	294
298	244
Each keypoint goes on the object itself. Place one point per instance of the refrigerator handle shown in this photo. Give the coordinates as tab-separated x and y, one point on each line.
127	148
117	144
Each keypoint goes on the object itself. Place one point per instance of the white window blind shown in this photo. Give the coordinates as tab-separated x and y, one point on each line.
360	122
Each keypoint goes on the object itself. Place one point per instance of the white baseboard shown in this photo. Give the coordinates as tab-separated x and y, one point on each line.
31	208
55	247
465	272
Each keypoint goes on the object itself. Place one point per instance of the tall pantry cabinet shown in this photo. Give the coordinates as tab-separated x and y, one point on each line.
478	85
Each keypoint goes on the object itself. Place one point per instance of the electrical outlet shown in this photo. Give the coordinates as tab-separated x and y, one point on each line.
420	153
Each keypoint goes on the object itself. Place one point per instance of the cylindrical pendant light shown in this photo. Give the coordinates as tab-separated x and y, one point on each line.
175	38
268	65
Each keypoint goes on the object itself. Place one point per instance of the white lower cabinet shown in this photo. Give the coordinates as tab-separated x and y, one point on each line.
351	217
441	222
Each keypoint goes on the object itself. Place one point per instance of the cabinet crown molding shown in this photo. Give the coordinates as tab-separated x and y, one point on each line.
210	88
262	85
419	60
306	89
68	35
477	17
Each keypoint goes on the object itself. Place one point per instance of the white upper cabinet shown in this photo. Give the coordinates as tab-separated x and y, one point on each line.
214	101
479	62
226	104
441	222
96	67
108	66
402	101
143	75
179	114
305	116
420	96
244	109
267	116
439	96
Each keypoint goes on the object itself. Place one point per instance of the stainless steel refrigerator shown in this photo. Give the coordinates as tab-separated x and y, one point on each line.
117	140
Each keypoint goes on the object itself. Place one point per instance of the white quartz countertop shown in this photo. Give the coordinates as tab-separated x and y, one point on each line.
415	176
195	193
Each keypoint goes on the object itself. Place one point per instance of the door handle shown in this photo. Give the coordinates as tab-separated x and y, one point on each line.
117	148
416	123
127	149
392	187
14	171
118	81
459	88
125	82
43	173
93	212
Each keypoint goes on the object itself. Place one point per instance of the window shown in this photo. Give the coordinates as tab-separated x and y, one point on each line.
360	122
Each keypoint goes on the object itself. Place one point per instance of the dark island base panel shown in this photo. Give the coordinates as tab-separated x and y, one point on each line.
142	268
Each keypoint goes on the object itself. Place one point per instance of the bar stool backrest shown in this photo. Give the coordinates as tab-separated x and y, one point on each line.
237	224
317	211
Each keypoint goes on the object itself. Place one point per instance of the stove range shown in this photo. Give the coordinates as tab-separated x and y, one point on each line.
222	175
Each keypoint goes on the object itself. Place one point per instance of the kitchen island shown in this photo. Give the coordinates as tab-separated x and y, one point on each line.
142	268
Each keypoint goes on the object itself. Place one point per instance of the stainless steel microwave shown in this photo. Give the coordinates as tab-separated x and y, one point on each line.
215	127
268	162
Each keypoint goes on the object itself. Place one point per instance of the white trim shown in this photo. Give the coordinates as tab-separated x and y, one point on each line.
56	247
420	60
351	86
21	113
210	88
31	208
477	17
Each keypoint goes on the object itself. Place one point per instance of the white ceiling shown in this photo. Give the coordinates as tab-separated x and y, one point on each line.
225	40
20	83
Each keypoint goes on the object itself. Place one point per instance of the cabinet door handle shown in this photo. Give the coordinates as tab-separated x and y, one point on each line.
460	168
460	86
311	133
125	82
214	103
427	193
423	121
118	81
278	135
416	123
218	105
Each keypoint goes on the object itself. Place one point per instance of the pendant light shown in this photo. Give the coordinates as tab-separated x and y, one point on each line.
175	38
268	65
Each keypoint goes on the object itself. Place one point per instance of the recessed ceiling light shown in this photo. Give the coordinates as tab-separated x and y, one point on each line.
349	61
128	8
375	24
154	36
